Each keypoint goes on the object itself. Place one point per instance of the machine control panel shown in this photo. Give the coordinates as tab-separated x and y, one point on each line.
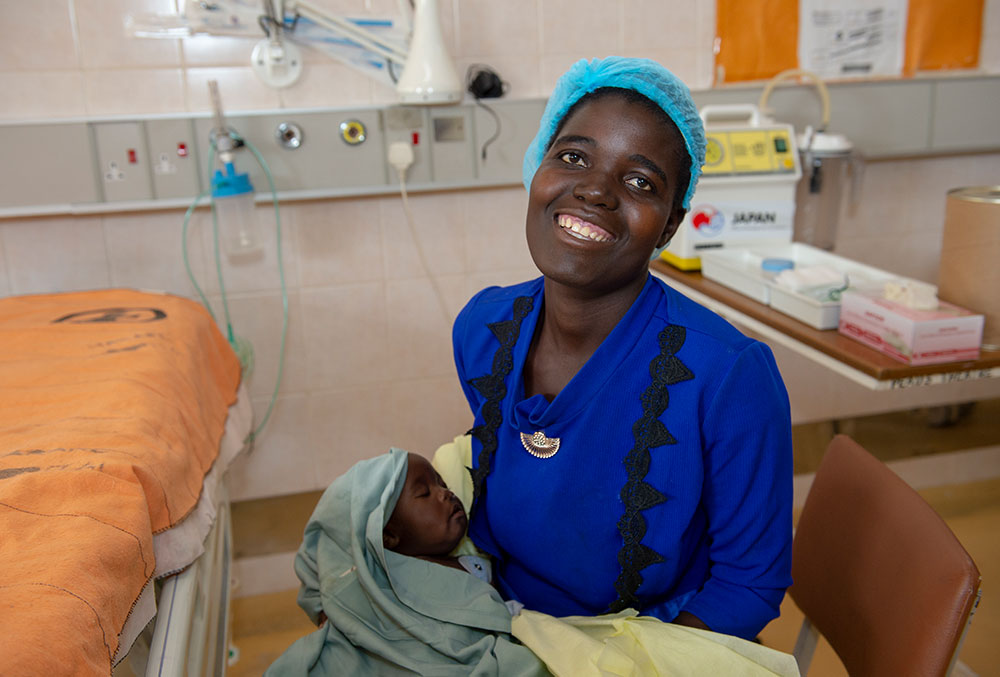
748	151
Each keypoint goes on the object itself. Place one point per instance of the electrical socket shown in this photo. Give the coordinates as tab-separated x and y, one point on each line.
400	155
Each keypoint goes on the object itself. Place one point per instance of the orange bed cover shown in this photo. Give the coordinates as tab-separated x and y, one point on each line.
112	406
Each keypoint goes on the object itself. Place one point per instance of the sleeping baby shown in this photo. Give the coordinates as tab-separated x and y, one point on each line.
379	579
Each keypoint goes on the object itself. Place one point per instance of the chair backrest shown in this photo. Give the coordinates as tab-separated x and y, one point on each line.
877	571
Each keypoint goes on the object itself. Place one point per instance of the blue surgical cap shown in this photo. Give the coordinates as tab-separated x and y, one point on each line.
644	76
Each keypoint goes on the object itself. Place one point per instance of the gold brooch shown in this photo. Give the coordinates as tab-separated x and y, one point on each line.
539	445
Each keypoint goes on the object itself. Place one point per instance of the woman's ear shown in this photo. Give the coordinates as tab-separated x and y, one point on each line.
673	223
389	538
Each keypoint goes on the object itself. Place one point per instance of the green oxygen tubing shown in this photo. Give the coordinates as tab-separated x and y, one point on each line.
242	347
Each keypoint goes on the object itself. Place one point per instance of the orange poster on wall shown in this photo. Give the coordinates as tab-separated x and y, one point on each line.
943	35
756	39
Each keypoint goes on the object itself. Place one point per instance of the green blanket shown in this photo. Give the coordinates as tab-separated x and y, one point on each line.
388	613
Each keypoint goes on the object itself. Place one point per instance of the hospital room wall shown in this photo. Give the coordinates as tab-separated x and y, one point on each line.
368	360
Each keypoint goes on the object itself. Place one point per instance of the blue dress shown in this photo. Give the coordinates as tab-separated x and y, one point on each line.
671	489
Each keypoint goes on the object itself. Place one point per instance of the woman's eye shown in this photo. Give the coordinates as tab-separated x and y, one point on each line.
572	158
639	182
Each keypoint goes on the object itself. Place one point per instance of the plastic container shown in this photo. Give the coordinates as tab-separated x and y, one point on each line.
233	196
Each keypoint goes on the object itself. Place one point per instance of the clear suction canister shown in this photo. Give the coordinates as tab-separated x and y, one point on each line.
828	168
233	201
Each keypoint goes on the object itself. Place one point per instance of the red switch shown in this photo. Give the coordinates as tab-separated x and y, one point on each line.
182	150
132	159
416	138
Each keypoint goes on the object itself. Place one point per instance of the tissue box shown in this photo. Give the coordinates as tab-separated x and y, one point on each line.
947	334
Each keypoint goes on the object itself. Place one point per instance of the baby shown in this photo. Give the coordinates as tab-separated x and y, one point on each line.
372	578
429	521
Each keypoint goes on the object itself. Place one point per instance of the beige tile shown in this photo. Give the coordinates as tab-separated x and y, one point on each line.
217	50
281	461
258	319
146	251
437	229
327	83
427	413
705	45
552	67
37	36
494	229
487	28
239	89
33	94
262	614
55	254
419	340
127	91
501	278
656	24
348	426
682	62
345	336
105	44
338	241
255	272
583	28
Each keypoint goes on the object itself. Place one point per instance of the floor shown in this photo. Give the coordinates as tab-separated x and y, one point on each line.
263	626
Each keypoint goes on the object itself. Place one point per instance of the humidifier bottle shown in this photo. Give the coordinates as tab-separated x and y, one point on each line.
233	199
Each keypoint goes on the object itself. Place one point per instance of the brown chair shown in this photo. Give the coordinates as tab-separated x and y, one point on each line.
877	572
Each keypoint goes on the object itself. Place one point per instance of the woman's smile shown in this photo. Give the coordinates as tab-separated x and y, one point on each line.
583	230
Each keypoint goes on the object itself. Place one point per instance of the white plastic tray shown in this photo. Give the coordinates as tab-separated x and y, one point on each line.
739	268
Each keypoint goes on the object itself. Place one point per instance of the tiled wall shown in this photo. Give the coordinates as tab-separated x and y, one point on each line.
368	356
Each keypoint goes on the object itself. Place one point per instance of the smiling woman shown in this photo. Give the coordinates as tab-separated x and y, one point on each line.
665	482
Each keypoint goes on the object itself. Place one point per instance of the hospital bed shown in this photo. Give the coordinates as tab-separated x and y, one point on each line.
120	412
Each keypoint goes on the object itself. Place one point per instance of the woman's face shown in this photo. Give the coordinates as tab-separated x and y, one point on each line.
428	518
603	197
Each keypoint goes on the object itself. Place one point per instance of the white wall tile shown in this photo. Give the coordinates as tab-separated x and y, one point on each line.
427	413
347	426
258	320
494	229
327	83
133	91
239	90
104	42
29	95
58	254
145	251
487	28
217	50
660	24
37	36
438	222
581	28
281	461
338	241
344	330
419	328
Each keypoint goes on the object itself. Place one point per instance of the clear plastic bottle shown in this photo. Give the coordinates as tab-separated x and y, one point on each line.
232	194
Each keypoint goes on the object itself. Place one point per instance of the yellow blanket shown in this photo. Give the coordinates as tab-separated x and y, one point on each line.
112	406
623	644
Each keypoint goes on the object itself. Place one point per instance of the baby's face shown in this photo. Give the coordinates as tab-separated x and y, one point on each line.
428	518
